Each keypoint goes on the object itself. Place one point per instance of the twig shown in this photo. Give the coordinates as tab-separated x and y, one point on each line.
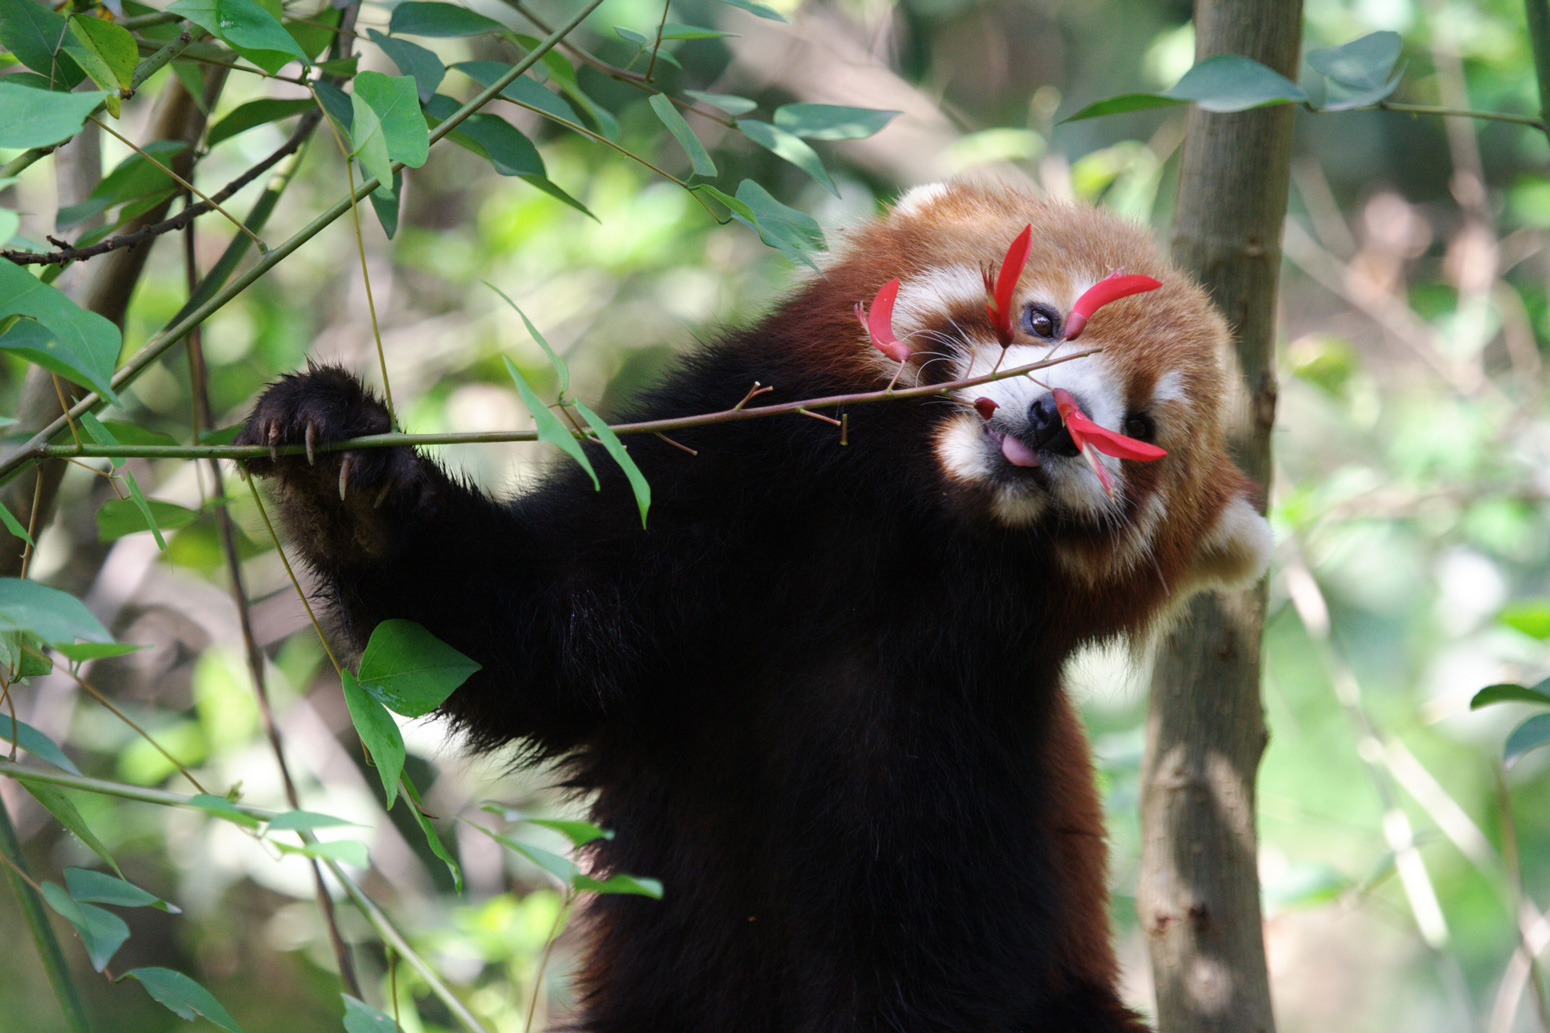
239	452
1484	116
184	322
652	64
295	583
185	184
191	212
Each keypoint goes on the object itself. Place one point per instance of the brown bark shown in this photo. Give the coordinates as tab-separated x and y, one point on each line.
1199	893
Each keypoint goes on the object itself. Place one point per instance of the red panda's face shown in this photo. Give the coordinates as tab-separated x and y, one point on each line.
1155	376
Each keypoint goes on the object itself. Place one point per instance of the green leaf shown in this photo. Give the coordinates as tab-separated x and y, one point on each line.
631	36
1528	736
378	732
1530	616
673	30
59	805
119	517
580	833
728	102
345	851
83	651
781	226
1306	885
1501	693
134	178
561	370
561	868
54	616
360	1017
337	105
419	18
413	60
1222	82
549	427
297	821
754	7
621	883
14	525
392	98
80	346
1362	64
10	222
832	121
102	888
315	34
220	807
432	838
33	33
409	670
102	932
21	656
385	202
524	89
699	158
182	996
126	433
791	148
615	448
502	144
250	30
35	743
39	118
110	44
256	113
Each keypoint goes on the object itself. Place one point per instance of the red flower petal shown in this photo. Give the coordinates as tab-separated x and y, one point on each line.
1085	432
879	322
999	297
986	407
1110	288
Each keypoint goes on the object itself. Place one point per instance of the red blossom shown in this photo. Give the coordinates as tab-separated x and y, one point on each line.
986	407
998	289
1110	288
879	322
1085	432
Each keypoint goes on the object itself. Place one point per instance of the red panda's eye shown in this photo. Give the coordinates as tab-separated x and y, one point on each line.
1042	321
1140	426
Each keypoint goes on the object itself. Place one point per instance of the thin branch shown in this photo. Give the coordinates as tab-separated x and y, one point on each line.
185	184
651	66
489	437
191	212
1485	116
184	322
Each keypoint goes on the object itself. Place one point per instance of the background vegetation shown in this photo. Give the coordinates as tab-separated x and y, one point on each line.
1404	868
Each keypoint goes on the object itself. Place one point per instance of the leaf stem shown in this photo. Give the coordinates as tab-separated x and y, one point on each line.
1487	116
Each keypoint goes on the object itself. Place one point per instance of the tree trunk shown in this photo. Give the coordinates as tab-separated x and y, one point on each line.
1199	893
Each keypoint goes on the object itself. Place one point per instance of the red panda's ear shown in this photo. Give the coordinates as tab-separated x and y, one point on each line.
1235	550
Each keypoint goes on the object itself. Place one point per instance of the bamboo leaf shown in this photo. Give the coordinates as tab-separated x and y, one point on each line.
550	428
182	996
699	158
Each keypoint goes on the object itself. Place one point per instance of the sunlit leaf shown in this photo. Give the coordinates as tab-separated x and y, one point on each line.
102	932
832	121
22	656
102	888
699	158
14	525
1221	83
35	743
580	833
252	31
1530	616
432	837
409	670
379	734
396	104
550	429
561	370
621	883
110	44
345	851
83	651
182	996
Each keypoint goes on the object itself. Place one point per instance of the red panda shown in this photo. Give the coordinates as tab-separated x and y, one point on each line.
820	696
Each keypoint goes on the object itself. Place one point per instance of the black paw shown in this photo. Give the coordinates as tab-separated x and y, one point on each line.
313	410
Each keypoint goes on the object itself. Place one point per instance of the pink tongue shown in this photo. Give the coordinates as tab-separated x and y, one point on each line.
1017	453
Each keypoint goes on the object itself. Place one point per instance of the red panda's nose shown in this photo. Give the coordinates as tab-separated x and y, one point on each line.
1046	430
